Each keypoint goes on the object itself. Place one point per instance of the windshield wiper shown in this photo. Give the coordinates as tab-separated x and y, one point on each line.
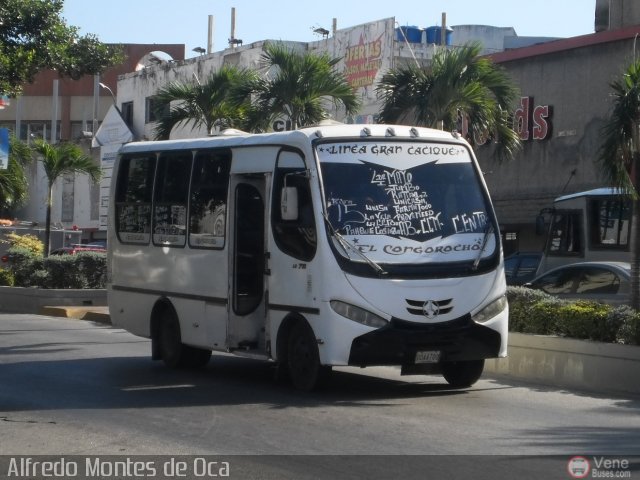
347	245
489	230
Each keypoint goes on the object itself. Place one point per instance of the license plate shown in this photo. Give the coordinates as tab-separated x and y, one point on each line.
428	356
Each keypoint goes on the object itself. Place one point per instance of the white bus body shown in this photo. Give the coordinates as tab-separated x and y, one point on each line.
334	245
589	226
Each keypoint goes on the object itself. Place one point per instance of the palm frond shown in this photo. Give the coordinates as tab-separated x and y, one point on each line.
223	100
619	152
458	82
299	86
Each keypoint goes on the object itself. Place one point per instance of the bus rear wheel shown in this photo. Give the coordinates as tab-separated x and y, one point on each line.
174	353
462	374
303	359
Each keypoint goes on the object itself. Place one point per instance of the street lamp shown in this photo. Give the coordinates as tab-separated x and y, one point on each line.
106	87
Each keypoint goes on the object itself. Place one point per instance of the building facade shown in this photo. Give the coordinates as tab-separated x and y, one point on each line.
565	101
61	109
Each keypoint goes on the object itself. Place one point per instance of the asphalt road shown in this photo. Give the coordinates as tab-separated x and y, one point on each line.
70	387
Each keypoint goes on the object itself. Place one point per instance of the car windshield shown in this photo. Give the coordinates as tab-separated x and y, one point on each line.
406	203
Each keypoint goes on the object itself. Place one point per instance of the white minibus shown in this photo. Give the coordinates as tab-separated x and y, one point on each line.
341	245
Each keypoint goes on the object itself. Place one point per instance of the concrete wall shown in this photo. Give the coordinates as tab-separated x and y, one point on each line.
366	52
31	300
623	13
137	86
570	363
492	38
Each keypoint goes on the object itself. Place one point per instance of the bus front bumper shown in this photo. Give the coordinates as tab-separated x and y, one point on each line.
426	345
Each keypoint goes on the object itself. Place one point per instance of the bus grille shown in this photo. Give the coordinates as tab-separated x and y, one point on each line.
429	308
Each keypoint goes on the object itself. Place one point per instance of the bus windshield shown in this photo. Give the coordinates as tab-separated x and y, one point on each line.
406	203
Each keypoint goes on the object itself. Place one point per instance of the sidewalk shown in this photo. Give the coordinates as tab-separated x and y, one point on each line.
90	313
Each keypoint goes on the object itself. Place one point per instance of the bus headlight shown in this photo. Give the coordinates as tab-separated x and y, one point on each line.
357	314
491	310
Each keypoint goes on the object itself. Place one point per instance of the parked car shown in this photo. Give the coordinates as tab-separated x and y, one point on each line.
74	249
521	267
606	282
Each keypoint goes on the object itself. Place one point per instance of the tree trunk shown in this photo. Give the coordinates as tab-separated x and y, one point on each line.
634	245
635	256
635	240
47	226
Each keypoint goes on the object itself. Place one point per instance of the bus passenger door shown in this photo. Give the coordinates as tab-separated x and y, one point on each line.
246	328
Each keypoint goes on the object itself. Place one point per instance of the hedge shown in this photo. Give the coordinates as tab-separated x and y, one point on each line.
6	278
83	270
533	311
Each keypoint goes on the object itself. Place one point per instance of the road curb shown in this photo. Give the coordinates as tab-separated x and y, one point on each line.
92	314
31	300
570	363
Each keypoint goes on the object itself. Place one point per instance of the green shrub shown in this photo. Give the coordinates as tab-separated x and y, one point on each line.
27	242
526	295
543	320
586	320
6	278
24	264
63	272
629	331
84	270
38	278
533	311
92	266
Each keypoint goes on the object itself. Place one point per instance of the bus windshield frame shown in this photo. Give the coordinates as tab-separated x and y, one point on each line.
410	206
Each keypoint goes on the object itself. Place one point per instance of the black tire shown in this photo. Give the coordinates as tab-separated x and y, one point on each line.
193	357
303	359
173	352
462	374
170	340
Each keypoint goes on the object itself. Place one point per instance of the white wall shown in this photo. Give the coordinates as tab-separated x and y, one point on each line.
492	38
367	52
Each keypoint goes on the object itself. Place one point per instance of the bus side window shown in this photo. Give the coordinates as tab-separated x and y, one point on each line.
208	200
566	234
609	222
133	198
170	199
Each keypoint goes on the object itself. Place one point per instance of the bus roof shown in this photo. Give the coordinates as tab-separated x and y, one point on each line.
239	138
596	192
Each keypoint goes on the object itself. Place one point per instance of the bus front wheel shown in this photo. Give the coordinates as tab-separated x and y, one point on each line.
173	352
303	359
462	374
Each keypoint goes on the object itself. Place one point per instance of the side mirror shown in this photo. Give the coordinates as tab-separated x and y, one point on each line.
540	230
289	203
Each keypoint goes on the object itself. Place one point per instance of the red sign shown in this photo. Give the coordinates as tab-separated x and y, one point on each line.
362	62
531	122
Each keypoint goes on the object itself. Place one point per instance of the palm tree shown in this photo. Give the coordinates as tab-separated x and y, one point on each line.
458	82
214	104
14	185
619	158
59	160
299	86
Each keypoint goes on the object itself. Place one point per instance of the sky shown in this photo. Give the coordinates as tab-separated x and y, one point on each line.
186	21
